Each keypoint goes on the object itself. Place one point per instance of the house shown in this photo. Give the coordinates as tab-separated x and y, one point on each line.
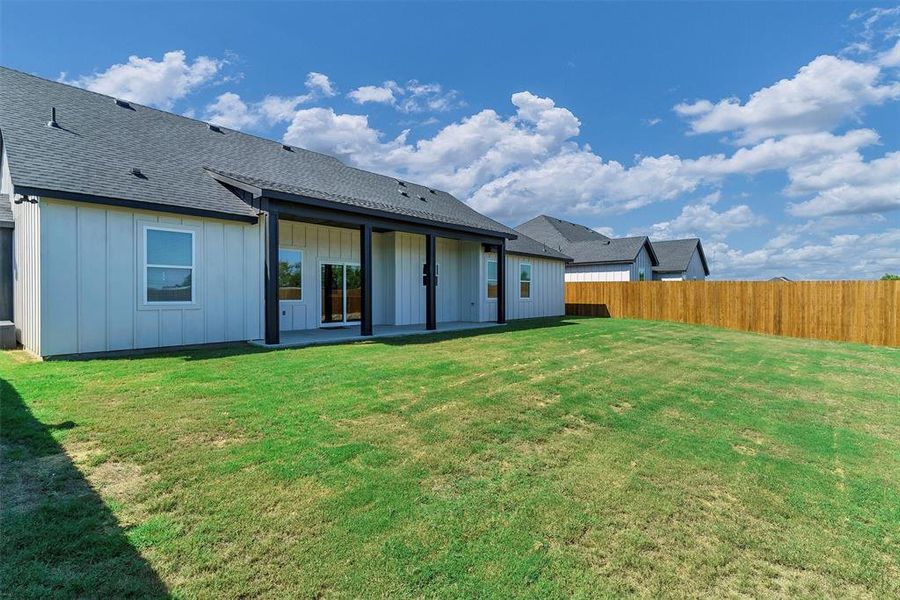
595	257
680	260
137	228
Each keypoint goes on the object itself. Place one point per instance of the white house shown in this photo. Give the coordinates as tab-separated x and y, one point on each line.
595	257
680	260
137	228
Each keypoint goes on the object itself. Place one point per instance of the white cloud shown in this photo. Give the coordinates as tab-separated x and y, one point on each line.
842	256
319	83
824	93
383	94
412	97
229	110
697	220
891	57
848	185
151	82
607	231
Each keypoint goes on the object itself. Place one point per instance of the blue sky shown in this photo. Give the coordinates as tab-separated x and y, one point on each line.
771	131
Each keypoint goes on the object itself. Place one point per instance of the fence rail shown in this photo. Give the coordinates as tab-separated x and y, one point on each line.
852	311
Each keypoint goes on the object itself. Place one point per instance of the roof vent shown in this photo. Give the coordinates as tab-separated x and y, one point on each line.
138	173
432	191
215	128
123	103
400	183
287	147
422	198
406	194
52	122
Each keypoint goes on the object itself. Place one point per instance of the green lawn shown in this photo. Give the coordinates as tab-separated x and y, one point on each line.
566	457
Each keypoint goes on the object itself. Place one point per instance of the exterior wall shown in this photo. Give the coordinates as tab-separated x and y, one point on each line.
26	265
547	288
612	272
91	277
642	265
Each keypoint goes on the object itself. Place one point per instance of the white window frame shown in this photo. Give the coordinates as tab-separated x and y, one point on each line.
302	294
530	280
488	280
145	229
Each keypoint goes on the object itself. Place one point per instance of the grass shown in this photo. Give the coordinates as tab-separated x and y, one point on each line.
579	458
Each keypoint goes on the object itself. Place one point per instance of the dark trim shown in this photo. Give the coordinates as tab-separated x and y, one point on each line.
135	204
353	219
536	255
273	325
501	282
654	260
430	287
365	262
255	191
383	214
702	258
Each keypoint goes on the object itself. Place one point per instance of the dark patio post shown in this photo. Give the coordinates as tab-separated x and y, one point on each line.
271	281
501	282
365	261
430	281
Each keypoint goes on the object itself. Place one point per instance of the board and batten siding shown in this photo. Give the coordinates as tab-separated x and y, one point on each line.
91	275
694	271
26	265
547	288
630	271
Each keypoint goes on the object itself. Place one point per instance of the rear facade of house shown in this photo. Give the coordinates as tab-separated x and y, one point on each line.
135	228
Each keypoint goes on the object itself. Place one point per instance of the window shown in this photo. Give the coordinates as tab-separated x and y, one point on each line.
169	264
525	281
492	279
290	274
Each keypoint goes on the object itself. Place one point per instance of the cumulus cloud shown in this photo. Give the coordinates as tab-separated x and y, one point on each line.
230	110
701	219
148	81
824	93
411	97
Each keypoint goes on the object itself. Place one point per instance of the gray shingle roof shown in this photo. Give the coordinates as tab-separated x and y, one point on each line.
531	247
6	215
99	142
583	244
557	233
675	255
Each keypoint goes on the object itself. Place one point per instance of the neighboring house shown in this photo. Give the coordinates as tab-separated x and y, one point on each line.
680	260
595	257
138	228
780	278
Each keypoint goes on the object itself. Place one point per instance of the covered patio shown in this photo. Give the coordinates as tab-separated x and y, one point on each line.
351	333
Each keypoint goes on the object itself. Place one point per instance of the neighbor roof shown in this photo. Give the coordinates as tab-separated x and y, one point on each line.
557	233
531	247
582	243
675	255
6	215
99	142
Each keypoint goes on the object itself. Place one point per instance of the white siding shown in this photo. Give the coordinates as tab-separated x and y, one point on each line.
547	289
26	266
613	272
91	275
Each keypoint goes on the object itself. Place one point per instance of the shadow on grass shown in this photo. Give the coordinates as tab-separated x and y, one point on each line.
57	537
209	352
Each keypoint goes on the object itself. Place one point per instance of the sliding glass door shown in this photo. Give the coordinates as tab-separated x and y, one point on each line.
341	293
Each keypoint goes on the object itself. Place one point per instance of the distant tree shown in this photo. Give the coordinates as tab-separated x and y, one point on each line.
890	277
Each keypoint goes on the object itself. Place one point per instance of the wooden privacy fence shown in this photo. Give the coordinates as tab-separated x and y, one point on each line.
851	311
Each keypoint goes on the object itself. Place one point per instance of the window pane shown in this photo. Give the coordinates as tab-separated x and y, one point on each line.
492	289
525	273
525	289
492	269
169	285
169	248
290	275
354	293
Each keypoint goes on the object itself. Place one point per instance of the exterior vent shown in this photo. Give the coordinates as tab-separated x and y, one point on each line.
215	128
52	122
123	103
400	183
432	191
405	194
287	147
422	198
138	173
